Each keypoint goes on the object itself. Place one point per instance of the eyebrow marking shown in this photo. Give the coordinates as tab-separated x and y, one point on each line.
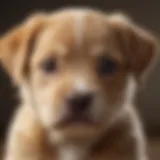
62	50
96	50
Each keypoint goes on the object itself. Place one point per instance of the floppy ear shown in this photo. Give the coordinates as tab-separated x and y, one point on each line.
138	45
16	46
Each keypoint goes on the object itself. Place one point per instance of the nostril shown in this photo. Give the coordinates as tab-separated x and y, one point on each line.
79	102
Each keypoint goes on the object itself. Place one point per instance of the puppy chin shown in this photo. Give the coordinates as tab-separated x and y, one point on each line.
74	134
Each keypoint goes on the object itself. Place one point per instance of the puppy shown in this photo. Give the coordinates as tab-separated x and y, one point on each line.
77	70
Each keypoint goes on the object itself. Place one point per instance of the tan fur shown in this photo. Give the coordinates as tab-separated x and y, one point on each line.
77	38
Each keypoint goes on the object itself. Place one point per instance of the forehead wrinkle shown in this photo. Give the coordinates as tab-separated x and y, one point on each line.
79	26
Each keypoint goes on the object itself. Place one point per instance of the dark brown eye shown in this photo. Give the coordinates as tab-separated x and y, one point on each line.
49	65
106	66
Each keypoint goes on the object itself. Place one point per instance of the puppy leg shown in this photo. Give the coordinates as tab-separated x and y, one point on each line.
123	141
26	139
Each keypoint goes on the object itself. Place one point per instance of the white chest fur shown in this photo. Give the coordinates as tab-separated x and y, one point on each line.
72	152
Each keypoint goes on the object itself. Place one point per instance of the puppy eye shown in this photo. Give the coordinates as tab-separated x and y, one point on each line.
49	65
106	66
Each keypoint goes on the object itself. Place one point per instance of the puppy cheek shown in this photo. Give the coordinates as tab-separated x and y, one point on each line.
47	116
99	109
48	110
103	110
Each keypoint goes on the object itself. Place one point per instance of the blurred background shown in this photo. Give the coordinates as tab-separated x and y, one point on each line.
144	12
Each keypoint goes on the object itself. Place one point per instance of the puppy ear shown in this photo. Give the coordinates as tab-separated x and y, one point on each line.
16	46
138	45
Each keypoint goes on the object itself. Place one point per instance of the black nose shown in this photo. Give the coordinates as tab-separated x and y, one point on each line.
79	102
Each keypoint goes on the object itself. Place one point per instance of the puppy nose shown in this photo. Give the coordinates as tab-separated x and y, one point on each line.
79	102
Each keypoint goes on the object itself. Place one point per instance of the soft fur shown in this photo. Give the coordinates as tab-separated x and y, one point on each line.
77	37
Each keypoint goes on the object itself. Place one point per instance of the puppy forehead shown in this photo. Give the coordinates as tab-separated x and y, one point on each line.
75	30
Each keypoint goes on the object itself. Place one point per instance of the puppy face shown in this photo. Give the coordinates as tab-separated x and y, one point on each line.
74	65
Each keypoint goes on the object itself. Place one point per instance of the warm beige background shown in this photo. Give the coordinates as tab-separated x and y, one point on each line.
145	12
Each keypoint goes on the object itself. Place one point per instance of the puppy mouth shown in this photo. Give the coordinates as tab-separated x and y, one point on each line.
76	120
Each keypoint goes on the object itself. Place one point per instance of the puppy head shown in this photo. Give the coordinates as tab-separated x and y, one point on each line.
75	66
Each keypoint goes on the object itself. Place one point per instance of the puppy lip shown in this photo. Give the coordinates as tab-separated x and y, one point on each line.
80	119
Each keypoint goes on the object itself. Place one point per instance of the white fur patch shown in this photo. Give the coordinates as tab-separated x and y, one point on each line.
137	133
80	85
130	90
79	25
72	152
137	130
